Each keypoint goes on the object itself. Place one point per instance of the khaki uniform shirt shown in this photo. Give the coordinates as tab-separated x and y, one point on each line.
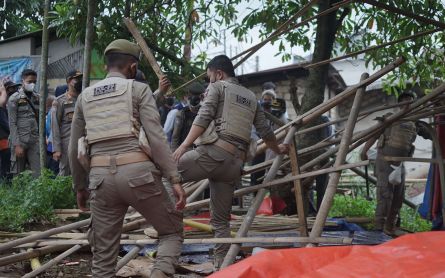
145	111
61	117
22	118
213	108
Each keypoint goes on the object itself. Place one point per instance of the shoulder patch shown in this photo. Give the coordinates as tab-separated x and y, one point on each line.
106	89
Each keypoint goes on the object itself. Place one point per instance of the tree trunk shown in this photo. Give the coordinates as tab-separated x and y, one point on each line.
43	88
89	36
316	83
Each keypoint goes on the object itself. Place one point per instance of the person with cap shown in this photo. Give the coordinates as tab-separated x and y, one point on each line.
232	110
62	112
185	117
110	114
396	141
23	115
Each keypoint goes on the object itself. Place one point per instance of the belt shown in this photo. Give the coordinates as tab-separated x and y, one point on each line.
120	159
230	148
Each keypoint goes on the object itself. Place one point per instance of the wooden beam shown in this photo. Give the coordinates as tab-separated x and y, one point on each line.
334	178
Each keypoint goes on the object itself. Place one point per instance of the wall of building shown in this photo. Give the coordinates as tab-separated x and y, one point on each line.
58	49
18	48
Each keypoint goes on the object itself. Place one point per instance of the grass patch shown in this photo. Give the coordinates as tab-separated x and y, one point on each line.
347	206
28	200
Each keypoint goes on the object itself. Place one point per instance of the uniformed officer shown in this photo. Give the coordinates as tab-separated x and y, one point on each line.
23	113
185	117
62	112
397	140
233	109
110	113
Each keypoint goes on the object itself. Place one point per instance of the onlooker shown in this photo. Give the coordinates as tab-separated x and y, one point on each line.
51	164
185	117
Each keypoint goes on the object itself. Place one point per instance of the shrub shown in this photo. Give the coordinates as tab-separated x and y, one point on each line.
29	200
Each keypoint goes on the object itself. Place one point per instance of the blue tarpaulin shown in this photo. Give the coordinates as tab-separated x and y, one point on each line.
12	68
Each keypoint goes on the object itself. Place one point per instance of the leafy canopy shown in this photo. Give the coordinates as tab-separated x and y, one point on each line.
164	23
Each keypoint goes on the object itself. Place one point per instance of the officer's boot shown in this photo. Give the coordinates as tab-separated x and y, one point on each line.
156	273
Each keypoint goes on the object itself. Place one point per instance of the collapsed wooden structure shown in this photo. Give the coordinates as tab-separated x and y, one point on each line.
345	141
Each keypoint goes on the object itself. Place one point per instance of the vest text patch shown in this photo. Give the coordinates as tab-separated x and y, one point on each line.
242	100
106	89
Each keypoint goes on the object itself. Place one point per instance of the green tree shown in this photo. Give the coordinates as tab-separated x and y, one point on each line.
19	17
164	24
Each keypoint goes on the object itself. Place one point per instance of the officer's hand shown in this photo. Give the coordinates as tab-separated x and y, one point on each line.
56	156
283	148
179	152
164	84
180	196
19	151
82	198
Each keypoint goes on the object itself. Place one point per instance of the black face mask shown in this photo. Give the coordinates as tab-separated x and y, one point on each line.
78	86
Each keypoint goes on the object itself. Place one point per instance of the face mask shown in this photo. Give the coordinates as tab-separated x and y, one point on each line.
78	86
29	87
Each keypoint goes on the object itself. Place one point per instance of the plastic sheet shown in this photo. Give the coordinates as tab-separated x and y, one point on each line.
414	255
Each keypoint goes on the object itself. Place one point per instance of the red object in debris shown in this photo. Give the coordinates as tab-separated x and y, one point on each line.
266	207
410	256
278	204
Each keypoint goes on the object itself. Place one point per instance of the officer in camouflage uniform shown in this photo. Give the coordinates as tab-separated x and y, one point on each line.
110	113
23	113
61	117
397	140
234	110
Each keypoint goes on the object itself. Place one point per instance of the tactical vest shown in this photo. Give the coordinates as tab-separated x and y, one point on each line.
108	110
400	136
238	112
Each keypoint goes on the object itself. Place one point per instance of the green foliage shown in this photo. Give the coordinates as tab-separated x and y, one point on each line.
28	200
347	206
19	17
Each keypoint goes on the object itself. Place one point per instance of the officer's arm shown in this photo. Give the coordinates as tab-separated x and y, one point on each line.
77	131
12	116
151	122
55	126
264	130
177	127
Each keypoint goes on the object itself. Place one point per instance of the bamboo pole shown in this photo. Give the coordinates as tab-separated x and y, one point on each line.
372	48
128	257
11	244
51	249
145	49
340	160
201	226
298	190
89	37
254	48
315	112
405	13
278	31
250	189
203	186
52	262
236	240
43	90
234	249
